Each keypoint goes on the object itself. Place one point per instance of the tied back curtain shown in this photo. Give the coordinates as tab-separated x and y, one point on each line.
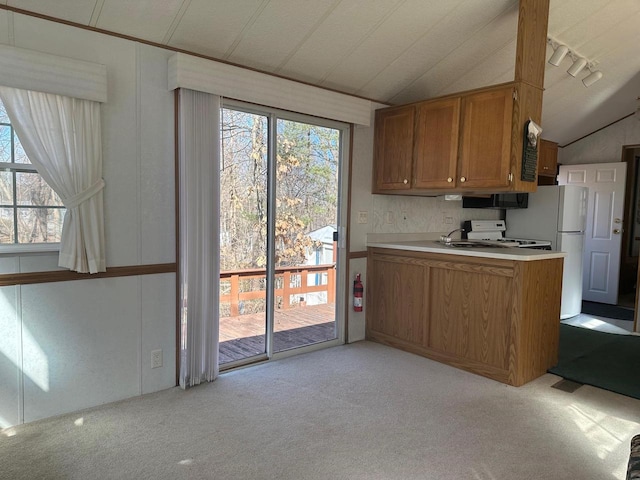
62	138
199	262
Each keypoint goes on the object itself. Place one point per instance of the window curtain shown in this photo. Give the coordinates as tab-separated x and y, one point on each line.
199	242
62	137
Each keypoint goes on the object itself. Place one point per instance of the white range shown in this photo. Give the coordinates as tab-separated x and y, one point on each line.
492	232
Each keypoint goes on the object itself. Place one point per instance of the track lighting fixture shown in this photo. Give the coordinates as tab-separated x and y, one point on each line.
558	55
592	78
579	62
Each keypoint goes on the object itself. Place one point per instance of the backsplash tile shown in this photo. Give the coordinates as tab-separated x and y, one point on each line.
408	214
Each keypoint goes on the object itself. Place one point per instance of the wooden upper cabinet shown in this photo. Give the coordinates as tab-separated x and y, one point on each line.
485	144
470	142
435	144
547	158
393	150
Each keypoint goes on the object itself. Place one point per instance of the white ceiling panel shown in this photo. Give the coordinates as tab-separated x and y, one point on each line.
499	67
78	11
599	25
395	35
281	27
347	26
564	14
4	28
468	43
210	27
571	110
150	18
393	51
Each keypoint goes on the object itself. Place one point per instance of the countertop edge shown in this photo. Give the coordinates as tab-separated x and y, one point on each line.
518	254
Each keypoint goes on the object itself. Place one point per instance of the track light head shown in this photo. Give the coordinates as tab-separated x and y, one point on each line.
578	65
592	78
559	54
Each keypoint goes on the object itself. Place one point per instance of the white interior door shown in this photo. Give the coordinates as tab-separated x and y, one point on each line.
603	239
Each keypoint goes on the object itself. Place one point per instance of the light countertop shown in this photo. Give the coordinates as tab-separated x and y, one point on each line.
504	253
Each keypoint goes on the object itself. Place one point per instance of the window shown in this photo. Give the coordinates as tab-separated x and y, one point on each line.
30	211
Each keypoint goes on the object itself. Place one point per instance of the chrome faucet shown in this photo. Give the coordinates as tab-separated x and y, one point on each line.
447	238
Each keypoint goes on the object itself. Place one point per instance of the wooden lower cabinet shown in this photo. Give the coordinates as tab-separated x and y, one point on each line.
498	318
400	294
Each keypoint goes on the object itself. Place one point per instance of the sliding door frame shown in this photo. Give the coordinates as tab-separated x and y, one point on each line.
273	115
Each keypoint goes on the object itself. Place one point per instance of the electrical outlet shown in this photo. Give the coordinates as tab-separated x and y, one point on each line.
448	220
363	217
156	358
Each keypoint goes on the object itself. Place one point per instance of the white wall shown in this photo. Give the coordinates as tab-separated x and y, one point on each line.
71	345
603	146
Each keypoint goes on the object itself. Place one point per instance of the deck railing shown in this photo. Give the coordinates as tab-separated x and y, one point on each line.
290	281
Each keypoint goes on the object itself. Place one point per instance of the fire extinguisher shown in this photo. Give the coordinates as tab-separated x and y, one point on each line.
357	294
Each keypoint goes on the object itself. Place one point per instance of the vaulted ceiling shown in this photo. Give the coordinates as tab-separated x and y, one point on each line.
392	51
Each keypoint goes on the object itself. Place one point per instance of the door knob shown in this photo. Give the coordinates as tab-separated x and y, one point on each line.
406	181
463	179
617	220
616	231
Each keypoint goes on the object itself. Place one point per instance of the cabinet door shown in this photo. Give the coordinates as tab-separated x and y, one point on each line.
486	139
547	158
436	144
470	314
393	152
395	304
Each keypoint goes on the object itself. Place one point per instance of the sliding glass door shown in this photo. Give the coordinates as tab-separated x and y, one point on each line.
243	235
280	216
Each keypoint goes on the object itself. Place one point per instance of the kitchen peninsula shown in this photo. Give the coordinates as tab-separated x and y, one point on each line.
491	311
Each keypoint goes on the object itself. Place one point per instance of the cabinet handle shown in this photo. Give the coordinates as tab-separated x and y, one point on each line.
463	179
406	181
545	168
449	180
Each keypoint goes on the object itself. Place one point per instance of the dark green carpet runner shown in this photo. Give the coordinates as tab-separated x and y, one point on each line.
608	311
604	360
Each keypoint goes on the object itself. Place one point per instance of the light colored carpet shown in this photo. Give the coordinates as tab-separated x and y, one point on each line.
362	411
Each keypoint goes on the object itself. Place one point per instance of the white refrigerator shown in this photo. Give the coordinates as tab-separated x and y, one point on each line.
557	213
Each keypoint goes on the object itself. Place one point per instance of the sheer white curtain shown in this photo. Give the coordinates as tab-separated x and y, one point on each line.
199	262
62	138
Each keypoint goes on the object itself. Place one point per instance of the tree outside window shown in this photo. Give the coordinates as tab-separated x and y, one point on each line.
30	211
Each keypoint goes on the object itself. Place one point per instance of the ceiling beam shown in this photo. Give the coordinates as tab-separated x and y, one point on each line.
531	48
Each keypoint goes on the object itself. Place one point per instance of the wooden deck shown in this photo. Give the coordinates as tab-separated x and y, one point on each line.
243	336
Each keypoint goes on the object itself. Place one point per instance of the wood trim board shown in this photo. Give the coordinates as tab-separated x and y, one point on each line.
31	278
